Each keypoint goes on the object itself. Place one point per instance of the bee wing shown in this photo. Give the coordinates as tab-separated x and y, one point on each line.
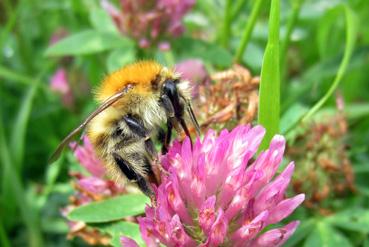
111	100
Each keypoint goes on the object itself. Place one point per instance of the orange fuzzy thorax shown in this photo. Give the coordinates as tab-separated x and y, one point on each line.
141	74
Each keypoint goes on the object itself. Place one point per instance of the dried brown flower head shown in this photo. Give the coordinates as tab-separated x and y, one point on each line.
324	171
231	99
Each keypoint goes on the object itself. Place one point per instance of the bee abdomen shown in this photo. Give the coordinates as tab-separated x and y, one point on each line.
128	169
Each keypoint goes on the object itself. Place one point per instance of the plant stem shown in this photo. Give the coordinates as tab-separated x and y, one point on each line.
351	32
226	28
248	30
237	8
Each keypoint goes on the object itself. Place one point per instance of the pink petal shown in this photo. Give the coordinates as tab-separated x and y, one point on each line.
128	242
269	161
178	236
241	198
276	237
285	208
207	214
59	82
164	46
147	231
87	157
95	186
232	183
245	143
249	229
218	230
176	202
144	43
273	193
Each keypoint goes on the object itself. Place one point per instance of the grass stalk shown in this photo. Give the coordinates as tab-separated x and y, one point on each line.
351	31
226	27
255	12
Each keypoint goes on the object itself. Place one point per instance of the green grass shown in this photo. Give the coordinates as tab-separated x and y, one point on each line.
269	90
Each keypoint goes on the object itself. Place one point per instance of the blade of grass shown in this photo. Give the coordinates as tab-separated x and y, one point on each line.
27	213
237	8
4	241
226	27
351	24
19	78
351	34
269	93
17	139
18	136
248	30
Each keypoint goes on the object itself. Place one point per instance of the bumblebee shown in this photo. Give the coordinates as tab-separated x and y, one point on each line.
135	102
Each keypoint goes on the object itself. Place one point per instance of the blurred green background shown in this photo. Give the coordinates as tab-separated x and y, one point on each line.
80	40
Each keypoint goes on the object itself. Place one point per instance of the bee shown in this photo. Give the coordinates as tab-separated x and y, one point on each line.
135	102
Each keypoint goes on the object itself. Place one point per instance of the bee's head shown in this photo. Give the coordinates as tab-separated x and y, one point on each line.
175	97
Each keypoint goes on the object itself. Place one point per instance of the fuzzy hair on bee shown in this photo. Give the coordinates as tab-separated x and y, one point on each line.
135	102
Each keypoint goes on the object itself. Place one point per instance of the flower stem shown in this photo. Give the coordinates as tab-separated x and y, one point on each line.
248	30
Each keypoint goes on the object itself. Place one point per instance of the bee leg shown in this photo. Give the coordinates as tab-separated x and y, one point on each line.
169	109
135	125
150	148
164	137
132	175
168	136
171	100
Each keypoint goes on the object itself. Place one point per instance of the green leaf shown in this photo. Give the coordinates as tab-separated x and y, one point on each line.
326	236
301	232
353	220
269	96
119	229
111	209
88	42
102	21
120	57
